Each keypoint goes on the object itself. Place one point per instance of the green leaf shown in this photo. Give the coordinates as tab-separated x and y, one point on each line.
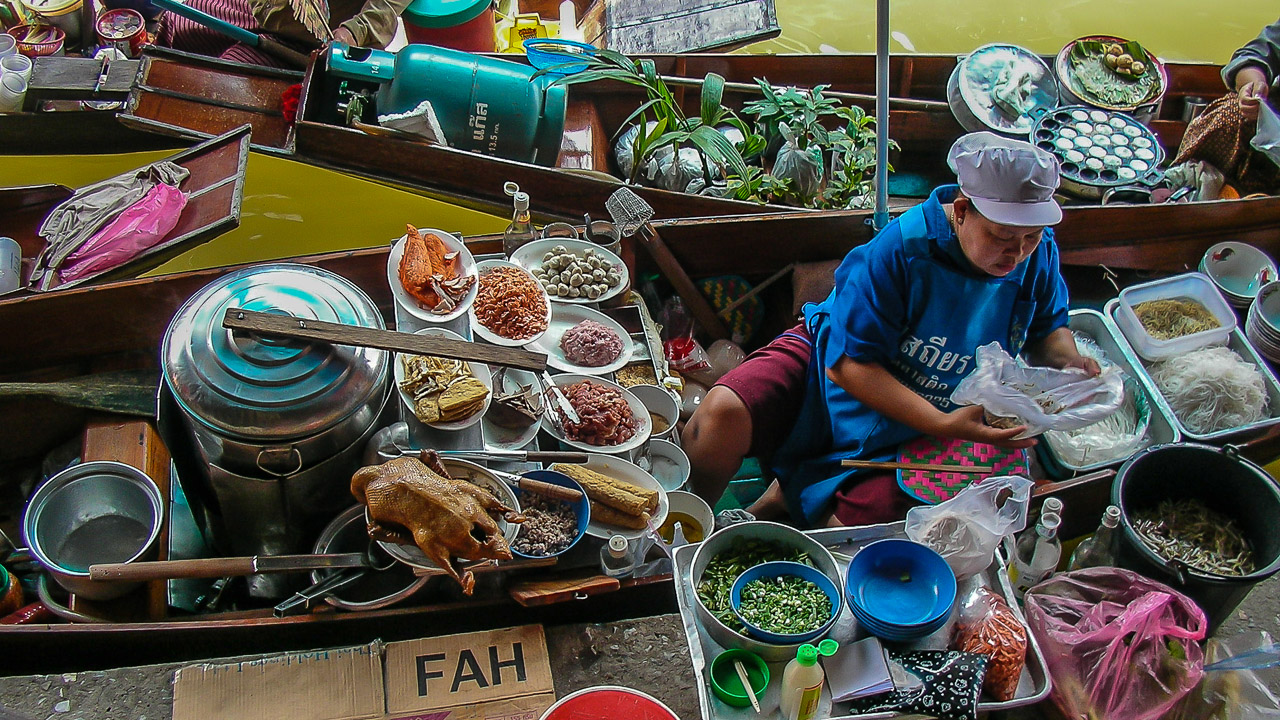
627	123
712	97
710	140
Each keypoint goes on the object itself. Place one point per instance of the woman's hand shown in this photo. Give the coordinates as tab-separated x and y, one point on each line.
1087	364
1252	86
343	35
967	423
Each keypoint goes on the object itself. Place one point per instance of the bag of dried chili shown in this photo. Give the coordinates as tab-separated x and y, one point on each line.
987	625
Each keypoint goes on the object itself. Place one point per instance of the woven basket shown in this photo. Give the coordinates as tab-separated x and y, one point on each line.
50	42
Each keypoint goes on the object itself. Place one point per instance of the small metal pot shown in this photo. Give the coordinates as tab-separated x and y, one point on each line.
975	76
1144	113
95	512
376	588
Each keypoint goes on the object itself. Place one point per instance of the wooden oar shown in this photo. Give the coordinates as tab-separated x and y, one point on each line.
126	393
932	467
287	326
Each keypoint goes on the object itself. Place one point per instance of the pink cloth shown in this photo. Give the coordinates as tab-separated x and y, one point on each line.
140	227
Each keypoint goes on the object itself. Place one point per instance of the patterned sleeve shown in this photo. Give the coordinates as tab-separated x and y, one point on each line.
375	25
869	302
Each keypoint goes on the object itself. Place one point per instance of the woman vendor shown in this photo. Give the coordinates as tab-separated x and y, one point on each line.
874	364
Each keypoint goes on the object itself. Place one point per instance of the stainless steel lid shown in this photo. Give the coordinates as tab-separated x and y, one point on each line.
1001	87
257	388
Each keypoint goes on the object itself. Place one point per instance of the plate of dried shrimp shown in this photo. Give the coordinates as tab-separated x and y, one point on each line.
441	270
510	307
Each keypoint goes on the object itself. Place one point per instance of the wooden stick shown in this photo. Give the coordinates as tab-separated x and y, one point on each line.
877	465
756	290
701	310
338	334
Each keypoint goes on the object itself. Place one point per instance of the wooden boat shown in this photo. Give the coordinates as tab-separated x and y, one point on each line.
1163	236
119	325
214	189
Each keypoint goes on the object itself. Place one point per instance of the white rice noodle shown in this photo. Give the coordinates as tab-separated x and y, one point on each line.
1115	438
1211	389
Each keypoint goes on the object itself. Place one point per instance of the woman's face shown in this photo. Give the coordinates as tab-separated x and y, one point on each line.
992	248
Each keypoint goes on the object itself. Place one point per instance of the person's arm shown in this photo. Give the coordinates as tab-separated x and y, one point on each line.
878	389
375	25
1058	350
1252	68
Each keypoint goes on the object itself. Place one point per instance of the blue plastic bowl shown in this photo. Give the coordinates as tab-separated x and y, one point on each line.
544	53
900	586
582	507
786	569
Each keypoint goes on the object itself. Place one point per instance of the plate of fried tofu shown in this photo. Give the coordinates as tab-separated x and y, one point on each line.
443	393
624	498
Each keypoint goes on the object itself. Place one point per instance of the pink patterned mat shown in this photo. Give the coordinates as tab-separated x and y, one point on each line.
933	487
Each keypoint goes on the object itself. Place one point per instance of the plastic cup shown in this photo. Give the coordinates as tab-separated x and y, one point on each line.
20	65
10	265
8	45
13	92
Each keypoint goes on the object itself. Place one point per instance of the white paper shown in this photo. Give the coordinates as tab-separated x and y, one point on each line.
858	670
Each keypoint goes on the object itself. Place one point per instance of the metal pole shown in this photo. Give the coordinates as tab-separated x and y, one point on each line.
881	216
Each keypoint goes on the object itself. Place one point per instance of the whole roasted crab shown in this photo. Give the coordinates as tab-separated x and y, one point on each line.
415	502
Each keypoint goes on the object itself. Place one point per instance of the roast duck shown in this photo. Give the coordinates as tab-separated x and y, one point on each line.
413	501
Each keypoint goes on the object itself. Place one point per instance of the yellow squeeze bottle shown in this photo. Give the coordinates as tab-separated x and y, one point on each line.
802	684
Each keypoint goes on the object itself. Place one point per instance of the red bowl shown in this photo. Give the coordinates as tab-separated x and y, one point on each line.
50	42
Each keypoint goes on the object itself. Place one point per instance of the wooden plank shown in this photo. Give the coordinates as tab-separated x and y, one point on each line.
531	593
677	26
73	78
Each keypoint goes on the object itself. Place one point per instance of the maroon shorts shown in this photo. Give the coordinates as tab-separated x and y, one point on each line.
771	383
871	499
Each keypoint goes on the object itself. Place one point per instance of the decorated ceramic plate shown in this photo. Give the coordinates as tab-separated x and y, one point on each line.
492	336
641	414
540	259
479	370
466	266
616	467
497	437
564	317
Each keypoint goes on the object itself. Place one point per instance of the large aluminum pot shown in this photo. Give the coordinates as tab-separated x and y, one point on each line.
971	85
767	531
266	407
95	512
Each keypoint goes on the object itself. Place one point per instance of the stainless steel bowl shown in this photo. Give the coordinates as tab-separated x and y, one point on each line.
772	532
95	512
377	588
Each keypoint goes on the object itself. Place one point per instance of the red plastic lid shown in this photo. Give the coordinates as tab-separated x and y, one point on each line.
608	703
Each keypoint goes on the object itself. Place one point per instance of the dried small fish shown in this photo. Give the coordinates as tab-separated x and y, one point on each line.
443	390
1188	532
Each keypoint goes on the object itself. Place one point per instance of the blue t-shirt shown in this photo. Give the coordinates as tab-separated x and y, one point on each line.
912	302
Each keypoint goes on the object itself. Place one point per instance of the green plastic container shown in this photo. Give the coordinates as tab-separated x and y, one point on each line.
484	104
725	682
458	24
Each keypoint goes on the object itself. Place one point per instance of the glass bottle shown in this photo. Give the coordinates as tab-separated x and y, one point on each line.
520	232
1025	542
615	558
1099	549
1030	568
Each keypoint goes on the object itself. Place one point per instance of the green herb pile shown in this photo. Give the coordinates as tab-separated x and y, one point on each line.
785	605
717	578
1186	531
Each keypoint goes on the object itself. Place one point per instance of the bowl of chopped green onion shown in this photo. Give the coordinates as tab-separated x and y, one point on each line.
785	602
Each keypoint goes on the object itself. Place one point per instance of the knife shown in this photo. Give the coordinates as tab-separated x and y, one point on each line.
561	400
224	566
102	73
511	455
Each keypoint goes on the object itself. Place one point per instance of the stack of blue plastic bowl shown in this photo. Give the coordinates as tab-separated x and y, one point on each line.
900	590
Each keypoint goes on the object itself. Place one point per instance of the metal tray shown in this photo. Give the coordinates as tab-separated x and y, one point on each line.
1162	428
1237	342
1033	687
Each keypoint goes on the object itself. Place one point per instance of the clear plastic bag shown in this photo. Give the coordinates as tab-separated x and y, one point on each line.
1267	139
988	626
1118	645
1040	398
966	529
803	168
1244	694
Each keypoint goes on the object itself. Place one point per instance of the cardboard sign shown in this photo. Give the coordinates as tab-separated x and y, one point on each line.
466	670
343	684
494	675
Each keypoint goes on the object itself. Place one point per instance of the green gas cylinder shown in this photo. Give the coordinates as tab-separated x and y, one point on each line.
485	105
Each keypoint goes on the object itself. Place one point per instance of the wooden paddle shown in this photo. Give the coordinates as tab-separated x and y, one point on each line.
126	393
295	328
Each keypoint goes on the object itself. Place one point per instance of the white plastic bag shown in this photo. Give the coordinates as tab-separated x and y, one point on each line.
1040	398
1267	139
802	167
966	529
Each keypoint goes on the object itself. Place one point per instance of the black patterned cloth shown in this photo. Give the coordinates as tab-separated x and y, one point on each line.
950	684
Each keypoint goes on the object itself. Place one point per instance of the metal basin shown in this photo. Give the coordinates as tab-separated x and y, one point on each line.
772	532
96	512
377	588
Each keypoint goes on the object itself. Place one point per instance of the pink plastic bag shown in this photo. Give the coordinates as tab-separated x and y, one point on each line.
1119	645
141	226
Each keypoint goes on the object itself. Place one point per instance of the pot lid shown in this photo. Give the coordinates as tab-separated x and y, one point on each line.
1004	87
52	8
444	13
247	386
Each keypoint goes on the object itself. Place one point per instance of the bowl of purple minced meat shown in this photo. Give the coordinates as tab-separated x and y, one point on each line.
551	527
